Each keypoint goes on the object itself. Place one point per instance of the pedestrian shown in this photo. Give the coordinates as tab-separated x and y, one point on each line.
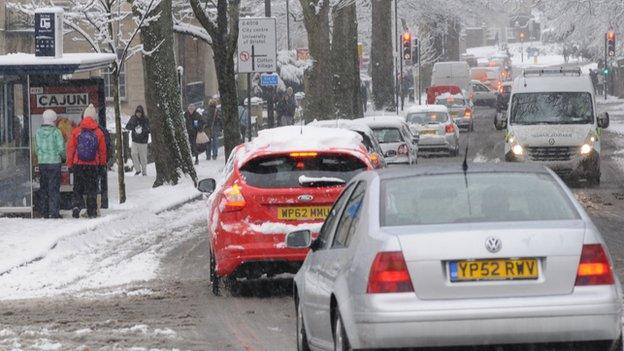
194	124
86	155
243	118
50	154
213	128
139	126
364	96
286	108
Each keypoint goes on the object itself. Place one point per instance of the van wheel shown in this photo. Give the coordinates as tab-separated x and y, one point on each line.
594	179
341	341
214	277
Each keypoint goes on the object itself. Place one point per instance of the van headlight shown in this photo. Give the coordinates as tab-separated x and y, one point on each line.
517	150
588	146
585	149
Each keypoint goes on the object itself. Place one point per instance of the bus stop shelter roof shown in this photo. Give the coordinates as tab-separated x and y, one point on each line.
29	64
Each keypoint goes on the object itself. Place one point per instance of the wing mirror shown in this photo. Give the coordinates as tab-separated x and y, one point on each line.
416	138
299	239
603	121
207	186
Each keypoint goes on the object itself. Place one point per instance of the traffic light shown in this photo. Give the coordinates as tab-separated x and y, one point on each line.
416	52
605	71
407	47
611	43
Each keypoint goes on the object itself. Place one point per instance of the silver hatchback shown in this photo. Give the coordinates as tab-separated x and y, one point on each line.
436	257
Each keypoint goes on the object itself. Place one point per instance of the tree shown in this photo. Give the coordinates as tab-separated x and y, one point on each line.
381	55
172	150
223	30
345	65
319	101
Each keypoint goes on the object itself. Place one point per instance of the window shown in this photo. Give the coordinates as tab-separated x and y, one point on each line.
350	216
427	117
388	135
334	213
552	108
471	198
108	81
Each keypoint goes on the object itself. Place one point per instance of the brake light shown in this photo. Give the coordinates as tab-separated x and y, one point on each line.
594	267
233	198
374	159
389	274
402	150
303	154
467	113
450	129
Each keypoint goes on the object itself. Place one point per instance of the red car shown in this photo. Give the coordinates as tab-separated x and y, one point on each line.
434	91
286	179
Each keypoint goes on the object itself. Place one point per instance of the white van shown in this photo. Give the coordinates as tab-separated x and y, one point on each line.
552	120
451	73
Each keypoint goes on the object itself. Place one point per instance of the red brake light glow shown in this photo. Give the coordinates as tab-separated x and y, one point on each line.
402	150
467	113
303	154
594	267
389	274
450	129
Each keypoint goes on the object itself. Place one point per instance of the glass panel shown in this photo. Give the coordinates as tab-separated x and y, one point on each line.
15	178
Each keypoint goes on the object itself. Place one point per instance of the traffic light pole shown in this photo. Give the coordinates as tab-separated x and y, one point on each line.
419	79
606	68
401	78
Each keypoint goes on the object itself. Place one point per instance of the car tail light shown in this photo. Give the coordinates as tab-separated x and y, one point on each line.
467	113
594	267
449	129
402	150
375	159
303	154
389	274
233	198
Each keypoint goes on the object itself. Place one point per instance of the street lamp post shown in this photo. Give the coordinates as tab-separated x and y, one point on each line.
522	46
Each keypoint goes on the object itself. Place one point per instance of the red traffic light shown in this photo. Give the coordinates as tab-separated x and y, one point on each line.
407	37
611	35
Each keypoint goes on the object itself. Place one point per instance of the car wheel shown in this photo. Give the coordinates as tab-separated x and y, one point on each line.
302	337
341	341
214	277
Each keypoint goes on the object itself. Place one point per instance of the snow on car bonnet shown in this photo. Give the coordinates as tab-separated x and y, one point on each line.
298	138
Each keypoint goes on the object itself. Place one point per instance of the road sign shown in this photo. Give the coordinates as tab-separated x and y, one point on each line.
49	32
257	46
269	80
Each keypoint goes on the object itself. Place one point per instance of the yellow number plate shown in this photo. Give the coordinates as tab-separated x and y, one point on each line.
303	213
500	269
428	131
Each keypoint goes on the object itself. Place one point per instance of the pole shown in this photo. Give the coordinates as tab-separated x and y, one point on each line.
288	25
605	68
271	94
419	74
401	92
397	52
248	106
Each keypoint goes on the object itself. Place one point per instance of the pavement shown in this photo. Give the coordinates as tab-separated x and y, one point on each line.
175	309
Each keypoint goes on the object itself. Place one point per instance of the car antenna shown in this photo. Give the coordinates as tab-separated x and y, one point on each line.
465	169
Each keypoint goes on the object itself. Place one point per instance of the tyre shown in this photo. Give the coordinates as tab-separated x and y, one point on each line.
341	341
214	277
302	336
594	178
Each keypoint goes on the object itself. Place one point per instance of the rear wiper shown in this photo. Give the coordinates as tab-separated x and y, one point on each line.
316	181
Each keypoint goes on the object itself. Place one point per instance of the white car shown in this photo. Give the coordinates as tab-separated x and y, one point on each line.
399	144
437	131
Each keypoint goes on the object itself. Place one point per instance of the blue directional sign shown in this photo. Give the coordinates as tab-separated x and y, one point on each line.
269	80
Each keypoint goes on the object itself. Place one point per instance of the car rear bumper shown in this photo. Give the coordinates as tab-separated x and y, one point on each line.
487	321
252	254
397	160
436	143
463	123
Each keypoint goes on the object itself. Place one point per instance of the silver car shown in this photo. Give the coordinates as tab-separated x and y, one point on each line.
438	133
398	142
459	108
435	257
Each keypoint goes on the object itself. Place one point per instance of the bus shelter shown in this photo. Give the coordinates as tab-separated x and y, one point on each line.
28	86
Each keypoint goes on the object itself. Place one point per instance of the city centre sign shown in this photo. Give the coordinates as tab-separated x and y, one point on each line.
257	45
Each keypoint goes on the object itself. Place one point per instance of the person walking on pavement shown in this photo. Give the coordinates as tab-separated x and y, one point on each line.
194	124
139	125
286	108
50	154
213	127
86	155
243	117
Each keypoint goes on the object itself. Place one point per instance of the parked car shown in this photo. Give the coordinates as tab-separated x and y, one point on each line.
437	130
286	178
502	104
399	144
459	108
481	94
375	152
438	257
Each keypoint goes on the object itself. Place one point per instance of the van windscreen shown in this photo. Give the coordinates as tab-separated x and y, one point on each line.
552	108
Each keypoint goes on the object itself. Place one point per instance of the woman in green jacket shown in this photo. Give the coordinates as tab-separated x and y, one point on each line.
50	154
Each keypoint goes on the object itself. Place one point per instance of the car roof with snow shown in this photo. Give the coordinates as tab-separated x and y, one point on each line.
427	108
552	81
382	121
342	123
448	95
301	138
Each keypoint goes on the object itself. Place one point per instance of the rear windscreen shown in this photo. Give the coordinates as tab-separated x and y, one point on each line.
388	135
427	117
285	171
474	197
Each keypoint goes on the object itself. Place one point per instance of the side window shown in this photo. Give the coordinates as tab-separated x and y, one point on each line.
350	217
332	218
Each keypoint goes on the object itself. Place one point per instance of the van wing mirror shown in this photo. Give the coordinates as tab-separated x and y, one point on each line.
603	120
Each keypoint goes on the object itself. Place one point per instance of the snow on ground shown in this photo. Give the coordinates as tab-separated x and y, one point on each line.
46	257
549	54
